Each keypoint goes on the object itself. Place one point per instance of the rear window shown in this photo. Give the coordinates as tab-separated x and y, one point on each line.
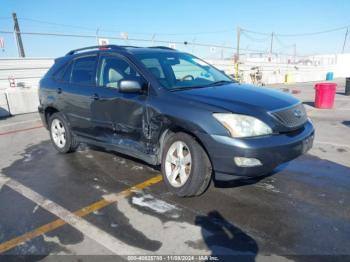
82	71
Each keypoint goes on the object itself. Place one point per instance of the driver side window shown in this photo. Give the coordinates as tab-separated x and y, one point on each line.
114	69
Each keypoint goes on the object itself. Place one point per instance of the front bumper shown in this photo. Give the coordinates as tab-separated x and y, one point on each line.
271	150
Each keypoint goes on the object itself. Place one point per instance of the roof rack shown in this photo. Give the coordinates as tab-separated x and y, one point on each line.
72	52
163	47
115	47
129	46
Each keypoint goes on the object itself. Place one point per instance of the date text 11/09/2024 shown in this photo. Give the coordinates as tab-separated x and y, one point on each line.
173	258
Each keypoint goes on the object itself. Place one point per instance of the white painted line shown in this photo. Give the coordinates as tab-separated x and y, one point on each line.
21	122
101	237
332	144
3	181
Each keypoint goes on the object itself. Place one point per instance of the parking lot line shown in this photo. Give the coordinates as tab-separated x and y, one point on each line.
74	219
20	130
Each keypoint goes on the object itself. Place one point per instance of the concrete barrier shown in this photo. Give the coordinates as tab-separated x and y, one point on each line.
4	109
21	101
27	71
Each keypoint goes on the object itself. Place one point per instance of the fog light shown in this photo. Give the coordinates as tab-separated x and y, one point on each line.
247	162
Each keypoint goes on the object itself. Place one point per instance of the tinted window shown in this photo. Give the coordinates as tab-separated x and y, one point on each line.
59	74
83	71
113	70
154	66
67	73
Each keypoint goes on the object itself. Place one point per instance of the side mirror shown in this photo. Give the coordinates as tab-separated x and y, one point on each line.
130	86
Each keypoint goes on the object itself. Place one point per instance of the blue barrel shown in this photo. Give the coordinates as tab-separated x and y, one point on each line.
329	76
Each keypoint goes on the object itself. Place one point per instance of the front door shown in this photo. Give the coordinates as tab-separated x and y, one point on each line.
119	118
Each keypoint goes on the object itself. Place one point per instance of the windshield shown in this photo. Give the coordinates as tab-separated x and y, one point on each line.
175	70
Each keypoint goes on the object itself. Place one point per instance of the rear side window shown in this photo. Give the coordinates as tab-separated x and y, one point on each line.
59	74
82	71
67	73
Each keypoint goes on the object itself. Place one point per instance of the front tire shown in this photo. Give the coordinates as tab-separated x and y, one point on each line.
186	167
61	135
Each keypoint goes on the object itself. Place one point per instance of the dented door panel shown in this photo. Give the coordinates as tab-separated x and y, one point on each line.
120	119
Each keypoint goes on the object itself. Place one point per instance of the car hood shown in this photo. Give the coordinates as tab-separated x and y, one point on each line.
240	98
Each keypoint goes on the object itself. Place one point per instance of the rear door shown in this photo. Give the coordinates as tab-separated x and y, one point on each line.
79	92
119	118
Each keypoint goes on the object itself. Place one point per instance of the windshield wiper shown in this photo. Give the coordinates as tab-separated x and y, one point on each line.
217	83
221	82
186	87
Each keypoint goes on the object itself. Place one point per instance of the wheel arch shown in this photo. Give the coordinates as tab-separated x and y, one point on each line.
175	128
48	112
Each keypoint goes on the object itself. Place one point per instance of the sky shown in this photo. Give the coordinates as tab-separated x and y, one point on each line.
200	21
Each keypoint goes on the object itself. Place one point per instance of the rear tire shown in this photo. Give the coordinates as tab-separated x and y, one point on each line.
186	167
61	135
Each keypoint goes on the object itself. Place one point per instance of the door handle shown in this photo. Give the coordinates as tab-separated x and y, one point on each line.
95	97
59	90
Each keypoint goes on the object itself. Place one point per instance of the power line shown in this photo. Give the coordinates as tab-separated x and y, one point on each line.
255	32
139	33
75	26
243	31
186	43
199	33
282	44
192	33
255	39
315	33
55	24
299	34
129	39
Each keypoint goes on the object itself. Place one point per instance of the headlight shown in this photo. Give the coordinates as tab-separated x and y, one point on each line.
243	125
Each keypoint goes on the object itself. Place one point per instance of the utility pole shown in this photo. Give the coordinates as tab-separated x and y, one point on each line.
237	54
238	41
18	36
153	37
97	38
222	53
295	52
345	39
271	46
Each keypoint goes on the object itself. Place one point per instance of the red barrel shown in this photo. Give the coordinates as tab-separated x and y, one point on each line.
325	93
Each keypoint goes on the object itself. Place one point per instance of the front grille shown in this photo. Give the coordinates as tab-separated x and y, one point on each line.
291	117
